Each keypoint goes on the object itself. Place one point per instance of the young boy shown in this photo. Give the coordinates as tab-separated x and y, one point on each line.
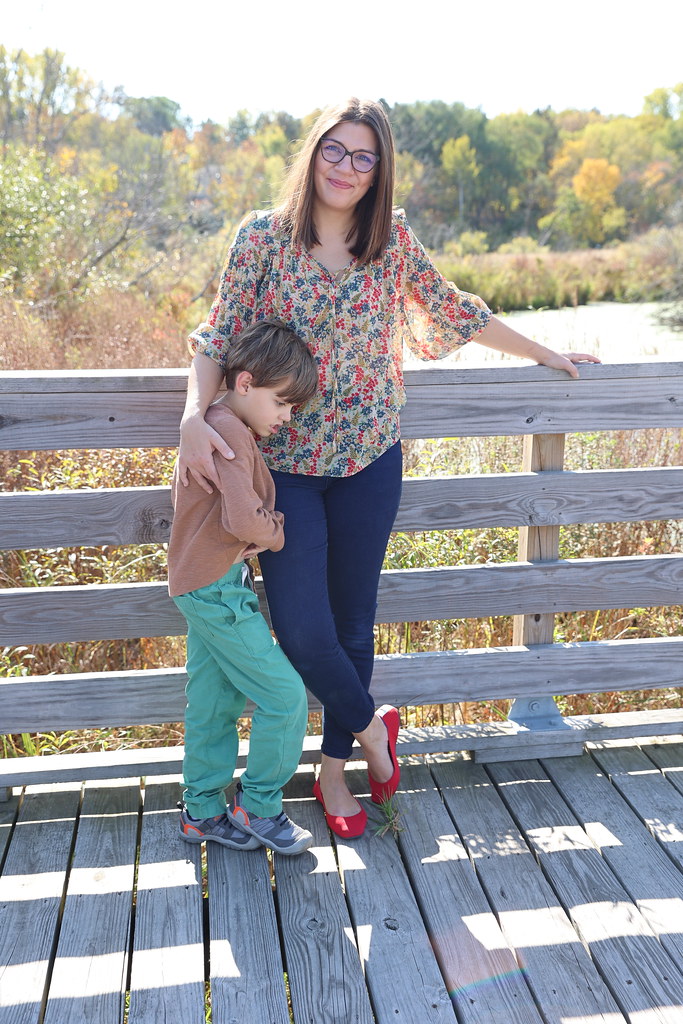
231	654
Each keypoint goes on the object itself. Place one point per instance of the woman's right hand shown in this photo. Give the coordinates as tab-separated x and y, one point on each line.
198	441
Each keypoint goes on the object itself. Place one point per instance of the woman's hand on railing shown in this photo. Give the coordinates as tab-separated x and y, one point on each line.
198	441
566	360
500	336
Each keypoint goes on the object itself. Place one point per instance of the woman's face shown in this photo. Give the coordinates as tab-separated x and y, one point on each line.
340	186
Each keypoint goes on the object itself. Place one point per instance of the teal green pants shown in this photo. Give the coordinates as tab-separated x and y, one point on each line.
232	656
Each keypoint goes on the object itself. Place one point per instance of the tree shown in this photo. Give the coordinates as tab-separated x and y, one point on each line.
155	115
459	162
41	98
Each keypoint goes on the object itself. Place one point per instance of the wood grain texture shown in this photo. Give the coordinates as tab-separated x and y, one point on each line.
131	610
8	813
647	874
247	973
143	515
155	696
167	968
89	973
32	885
389	929
649	782
481	973
483	739
175	379
542	453
117	515
642	977
557	968
521	400
326	981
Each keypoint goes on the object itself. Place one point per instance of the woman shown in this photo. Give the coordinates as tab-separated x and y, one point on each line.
343	270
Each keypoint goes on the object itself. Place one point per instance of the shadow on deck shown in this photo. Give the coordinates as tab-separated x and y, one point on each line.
517	893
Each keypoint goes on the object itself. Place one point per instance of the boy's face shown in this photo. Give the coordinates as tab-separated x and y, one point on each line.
264	409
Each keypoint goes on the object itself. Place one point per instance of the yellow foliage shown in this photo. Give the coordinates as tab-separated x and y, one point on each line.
596	182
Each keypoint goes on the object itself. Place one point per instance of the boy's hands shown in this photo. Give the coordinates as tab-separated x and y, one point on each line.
198	441
251	550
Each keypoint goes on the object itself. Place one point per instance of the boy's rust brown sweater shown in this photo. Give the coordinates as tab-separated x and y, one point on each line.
211	531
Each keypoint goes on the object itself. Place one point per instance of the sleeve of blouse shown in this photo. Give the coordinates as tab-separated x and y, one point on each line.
235	301
438	317
242	511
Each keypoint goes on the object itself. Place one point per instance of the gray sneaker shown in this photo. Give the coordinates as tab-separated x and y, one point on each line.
218	830
278	833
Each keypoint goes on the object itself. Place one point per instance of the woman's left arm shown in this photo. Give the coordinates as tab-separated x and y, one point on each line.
499	336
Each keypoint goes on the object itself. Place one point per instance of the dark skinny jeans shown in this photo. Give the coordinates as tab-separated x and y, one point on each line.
322	586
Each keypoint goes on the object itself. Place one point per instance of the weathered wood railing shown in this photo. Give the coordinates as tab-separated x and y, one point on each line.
91	410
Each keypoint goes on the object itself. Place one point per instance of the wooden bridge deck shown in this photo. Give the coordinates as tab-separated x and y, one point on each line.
517	893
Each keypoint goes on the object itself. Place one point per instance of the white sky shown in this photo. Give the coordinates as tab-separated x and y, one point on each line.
215	58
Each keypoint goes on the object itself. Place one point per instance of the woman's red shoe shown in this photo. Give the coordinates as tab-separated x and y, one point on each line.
381	791
348	828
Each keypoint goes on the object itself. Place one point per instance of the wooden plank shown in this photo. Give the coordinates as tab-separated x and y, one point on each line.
121	515
129	610
247	975
154	696
641	865
542	452
640	974
91	421
89	974
479	738
540	499
76	382
167	967
556	966
669	759
31	888
556	407
8	814
637	776
143	515
323	967
481	973
389	929
526	403
31	382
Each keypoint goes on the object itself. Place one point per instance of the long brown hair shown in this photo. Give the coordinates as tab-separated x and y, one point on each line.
372	217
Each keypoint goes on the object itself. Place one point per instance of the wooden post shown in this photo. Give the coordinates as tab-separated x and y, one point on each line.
542	452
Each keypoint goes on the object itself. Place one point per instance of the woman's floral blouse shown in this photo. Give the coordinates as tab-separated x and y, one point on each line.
355	322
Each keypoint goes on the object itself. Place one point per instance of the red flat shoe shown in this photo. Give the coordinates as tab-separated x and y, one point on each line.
347	828
381	791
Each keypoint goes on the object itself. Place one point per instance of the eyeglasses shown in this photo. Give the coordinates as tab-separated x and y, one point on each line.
361	159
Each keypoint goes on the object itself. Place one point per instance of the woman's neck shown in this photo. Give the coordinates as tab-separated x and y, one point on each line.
333	249
332	226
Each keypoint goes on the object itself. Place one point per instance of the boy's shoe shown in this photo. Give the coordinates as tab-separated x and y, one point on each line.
278	833
218	830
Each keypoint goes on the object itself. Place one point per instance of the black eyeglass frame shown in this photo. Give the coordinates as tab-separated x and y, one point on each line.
349	153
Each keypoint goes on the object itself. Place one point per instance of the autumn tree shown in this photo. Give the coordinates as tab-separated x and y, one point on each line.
459	164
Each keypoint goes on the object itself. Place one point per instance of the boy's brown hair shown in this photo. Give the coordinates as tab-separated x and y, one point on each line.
273	354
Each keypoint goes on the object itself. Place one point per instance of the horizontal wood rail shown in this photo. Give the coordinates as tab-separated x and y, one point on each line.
143	515
119	611
137	409
141	408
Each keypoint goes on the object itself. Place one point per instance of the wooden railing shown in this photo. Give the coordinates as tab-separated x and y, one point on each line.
89	410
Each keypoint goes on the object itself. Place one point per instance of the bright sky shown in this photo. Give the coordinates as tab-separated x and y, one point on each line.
215	58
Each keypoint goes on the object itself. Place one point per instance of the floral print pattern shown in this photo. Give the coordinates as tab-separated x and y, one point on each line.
355	322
